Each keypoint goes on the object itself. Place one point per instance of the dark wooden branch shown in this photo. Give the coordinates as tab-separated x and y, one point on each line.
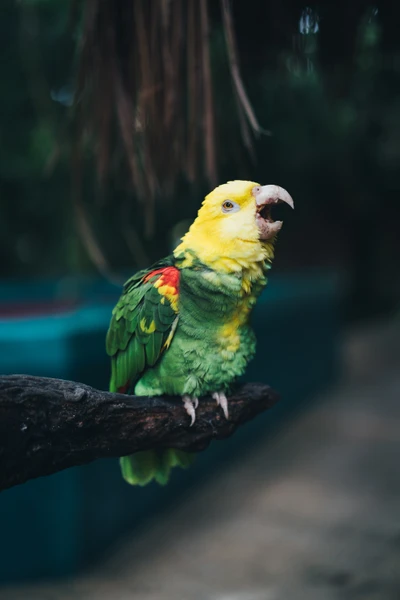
47	425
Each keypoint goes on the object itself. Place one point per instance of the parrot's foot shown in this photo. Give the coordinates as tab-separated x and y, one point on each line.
222	401
190	405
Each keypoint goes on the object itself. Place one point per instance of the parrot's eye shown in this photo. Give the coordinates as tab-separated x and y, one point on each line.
230	206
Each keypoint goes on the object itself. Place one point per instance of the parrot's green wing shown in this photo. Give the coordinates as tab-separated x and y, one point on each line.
143	323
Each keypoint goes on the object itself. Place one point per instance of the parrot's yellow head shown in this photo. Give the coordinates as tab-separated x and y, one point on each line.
234	229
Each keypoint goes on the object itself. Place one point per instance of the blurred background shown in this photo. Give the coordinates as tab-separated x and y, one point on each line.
117	117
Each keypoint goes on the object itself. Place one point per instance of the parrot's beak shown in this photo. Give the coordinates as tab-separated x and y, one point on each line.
267	196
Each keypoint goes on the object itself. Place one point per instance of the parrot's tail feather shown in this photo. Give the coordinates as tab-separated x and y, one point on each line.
143	467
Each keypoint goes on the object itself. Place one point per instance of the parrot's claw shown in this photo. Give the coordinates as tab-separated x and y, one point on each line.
190	405
222	401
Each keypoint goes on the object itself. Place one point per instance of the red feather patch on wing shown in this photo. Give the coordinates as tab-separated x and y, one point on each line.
169	276
167	284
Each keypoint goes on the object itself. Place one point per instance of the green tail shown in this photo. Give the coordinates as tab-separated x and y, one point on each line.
143	467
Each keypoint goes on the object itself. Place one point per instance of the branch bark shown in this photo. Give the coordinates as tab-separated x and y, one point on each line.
47	425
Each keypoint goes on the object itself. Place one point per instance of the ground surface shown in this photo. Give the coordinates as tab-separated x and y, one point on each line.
313	513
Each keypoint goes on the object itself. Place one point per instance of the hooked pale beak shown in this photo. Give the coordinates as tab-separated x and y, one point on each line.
267	196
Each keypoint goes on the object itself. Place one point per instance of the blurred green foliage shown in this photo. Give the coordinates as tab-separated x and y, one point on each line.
35	216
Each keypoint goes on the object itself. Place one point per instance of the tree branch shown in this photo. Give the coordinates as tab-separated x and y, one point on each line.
47	425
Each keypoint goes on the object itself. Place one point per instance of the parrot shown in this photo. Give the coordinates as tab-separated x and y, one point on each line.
182	326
